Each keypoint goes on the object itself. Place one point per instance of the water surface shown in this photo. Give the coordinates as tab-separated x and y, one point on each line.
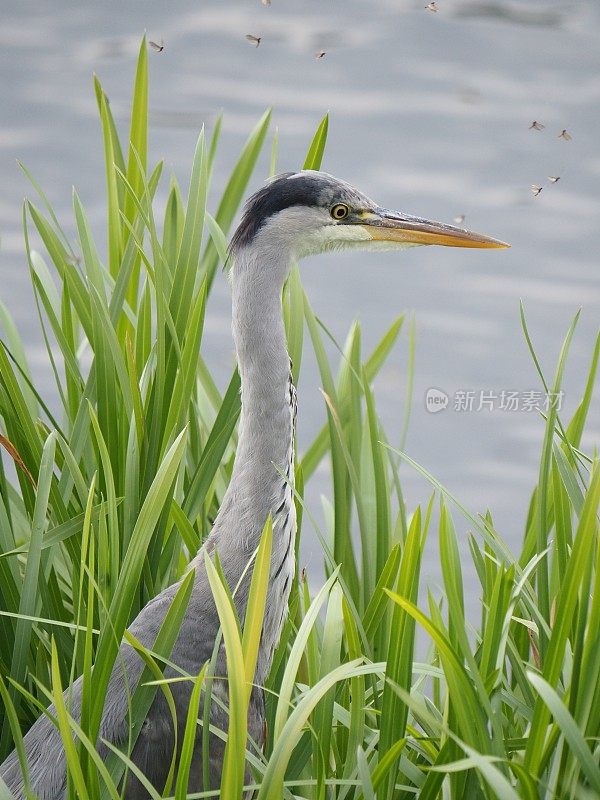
430	114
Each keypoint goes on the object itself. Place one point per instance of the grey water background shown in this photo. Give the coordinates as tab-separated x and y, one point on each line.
430	114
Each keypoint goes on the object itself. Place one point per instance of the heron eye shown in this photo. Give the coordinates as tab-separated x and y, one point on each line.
339	211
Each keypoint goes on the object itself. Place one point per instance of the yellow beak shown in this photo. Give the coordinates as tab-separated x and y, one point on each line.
383	225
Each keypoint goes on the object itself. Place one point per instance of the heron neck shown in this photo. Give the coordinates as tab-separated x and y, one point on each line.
264	366
265	447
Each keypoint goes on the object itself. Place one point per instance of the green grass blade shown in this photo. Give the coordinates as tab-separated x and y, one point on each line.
232	777
255	609
570	731
314	157
189	739
234	191
30	598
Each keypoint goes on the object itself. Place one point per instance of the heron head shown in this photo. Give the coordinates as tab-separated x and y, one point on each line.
309	212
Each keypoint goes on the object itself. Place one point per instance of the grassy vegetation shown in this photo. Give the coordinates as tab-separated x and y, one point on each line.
109	499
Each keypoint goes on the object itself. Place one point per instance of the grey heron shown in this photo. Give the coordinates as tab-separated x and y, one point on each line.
294	215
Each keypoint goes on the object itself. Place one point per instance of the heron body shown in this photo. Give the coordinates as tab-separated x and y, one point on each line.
295	215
